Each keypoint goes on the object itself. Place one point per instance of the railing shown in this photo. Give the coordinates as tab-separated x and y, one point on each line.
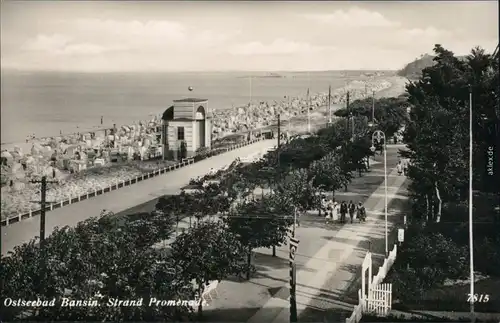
357	312
118	184
384	269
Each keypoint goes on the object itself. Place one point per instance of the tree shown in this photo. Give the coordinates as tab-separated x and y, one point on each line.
216	199
207	252
297	187
437	134
97	257
327	174
300	153
390	113
173	207
261	223
334	136
437	137
149	228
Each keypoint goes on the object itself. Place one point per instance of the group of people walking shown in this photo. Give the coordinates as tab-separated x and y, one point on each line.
402	167
339	211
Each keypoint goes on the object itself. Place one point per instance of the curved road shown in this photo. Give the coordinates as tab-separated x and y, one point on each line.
124	199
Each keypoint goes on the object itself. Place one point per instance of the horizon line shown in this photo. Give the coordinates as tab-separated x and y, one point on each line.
8	69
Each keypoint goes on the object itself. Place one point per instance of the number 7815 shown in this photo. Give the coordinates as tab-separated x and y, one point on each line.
479	298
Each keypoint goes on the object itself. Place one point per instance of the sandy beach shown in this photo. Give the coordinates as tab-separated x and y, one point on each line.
19	195
398	87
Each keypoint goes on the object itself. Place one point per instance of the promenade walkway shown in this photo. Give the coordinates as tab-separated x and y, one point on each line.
328	260
123	199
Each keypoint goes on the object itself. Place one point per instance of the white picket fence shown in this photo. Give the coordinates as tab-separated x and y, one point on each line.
119	184
386	266
379	298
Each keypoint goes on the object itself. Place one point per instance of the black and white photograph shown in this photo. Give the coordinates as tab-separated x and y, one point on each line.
250	161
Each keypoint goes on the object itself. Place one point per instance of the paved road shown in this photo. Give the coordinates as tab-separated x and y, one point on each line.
334	259
325	258
142	193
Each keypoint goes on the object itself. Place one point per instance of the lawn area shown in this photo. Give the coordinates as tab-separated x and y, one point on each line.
411	318
454	298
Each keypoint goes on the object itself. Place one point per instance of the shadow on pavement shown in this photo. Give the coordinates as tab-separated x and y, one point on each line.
241	314
350	268
311	314
336	305
268	262
343	240
314	221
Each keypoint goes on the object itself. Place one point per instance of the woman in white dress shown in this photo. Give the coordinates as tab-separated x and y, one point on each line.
334	211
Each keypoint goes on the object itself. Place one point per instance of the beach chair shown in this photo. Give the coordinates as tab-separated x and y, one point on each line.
212	287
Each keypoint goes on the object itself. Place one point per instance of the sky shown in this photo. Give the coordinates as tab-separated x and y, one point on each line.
91	36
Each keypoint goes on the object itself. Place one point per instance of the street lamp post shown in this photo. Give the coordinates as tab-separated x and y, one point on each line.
380	135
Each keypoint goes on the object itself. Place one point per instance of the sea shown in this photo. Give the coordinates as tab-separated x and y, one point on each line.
49	103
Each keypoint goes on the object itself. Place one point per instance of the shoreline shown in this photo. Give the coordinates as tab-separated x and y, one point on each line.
223	112
18	196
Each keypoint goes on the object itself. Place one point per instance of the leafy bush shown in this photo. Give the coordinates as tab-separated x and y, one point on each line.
169	155
402	318
425	261
407	284
434	250
488	259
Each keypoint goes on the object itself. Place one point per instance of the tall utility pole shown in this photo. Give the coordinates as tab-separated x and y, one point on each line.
289	121
308	103
278	160
43	205
350	115
250	99
471	225
308	114
294	243
279	130
373	106
329	104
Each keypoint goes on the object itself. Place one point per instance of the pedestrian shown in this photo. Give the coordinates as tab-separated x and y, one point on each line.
324	204
352	209
329	215
361	214
399	168
336	211
343	212
300	210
